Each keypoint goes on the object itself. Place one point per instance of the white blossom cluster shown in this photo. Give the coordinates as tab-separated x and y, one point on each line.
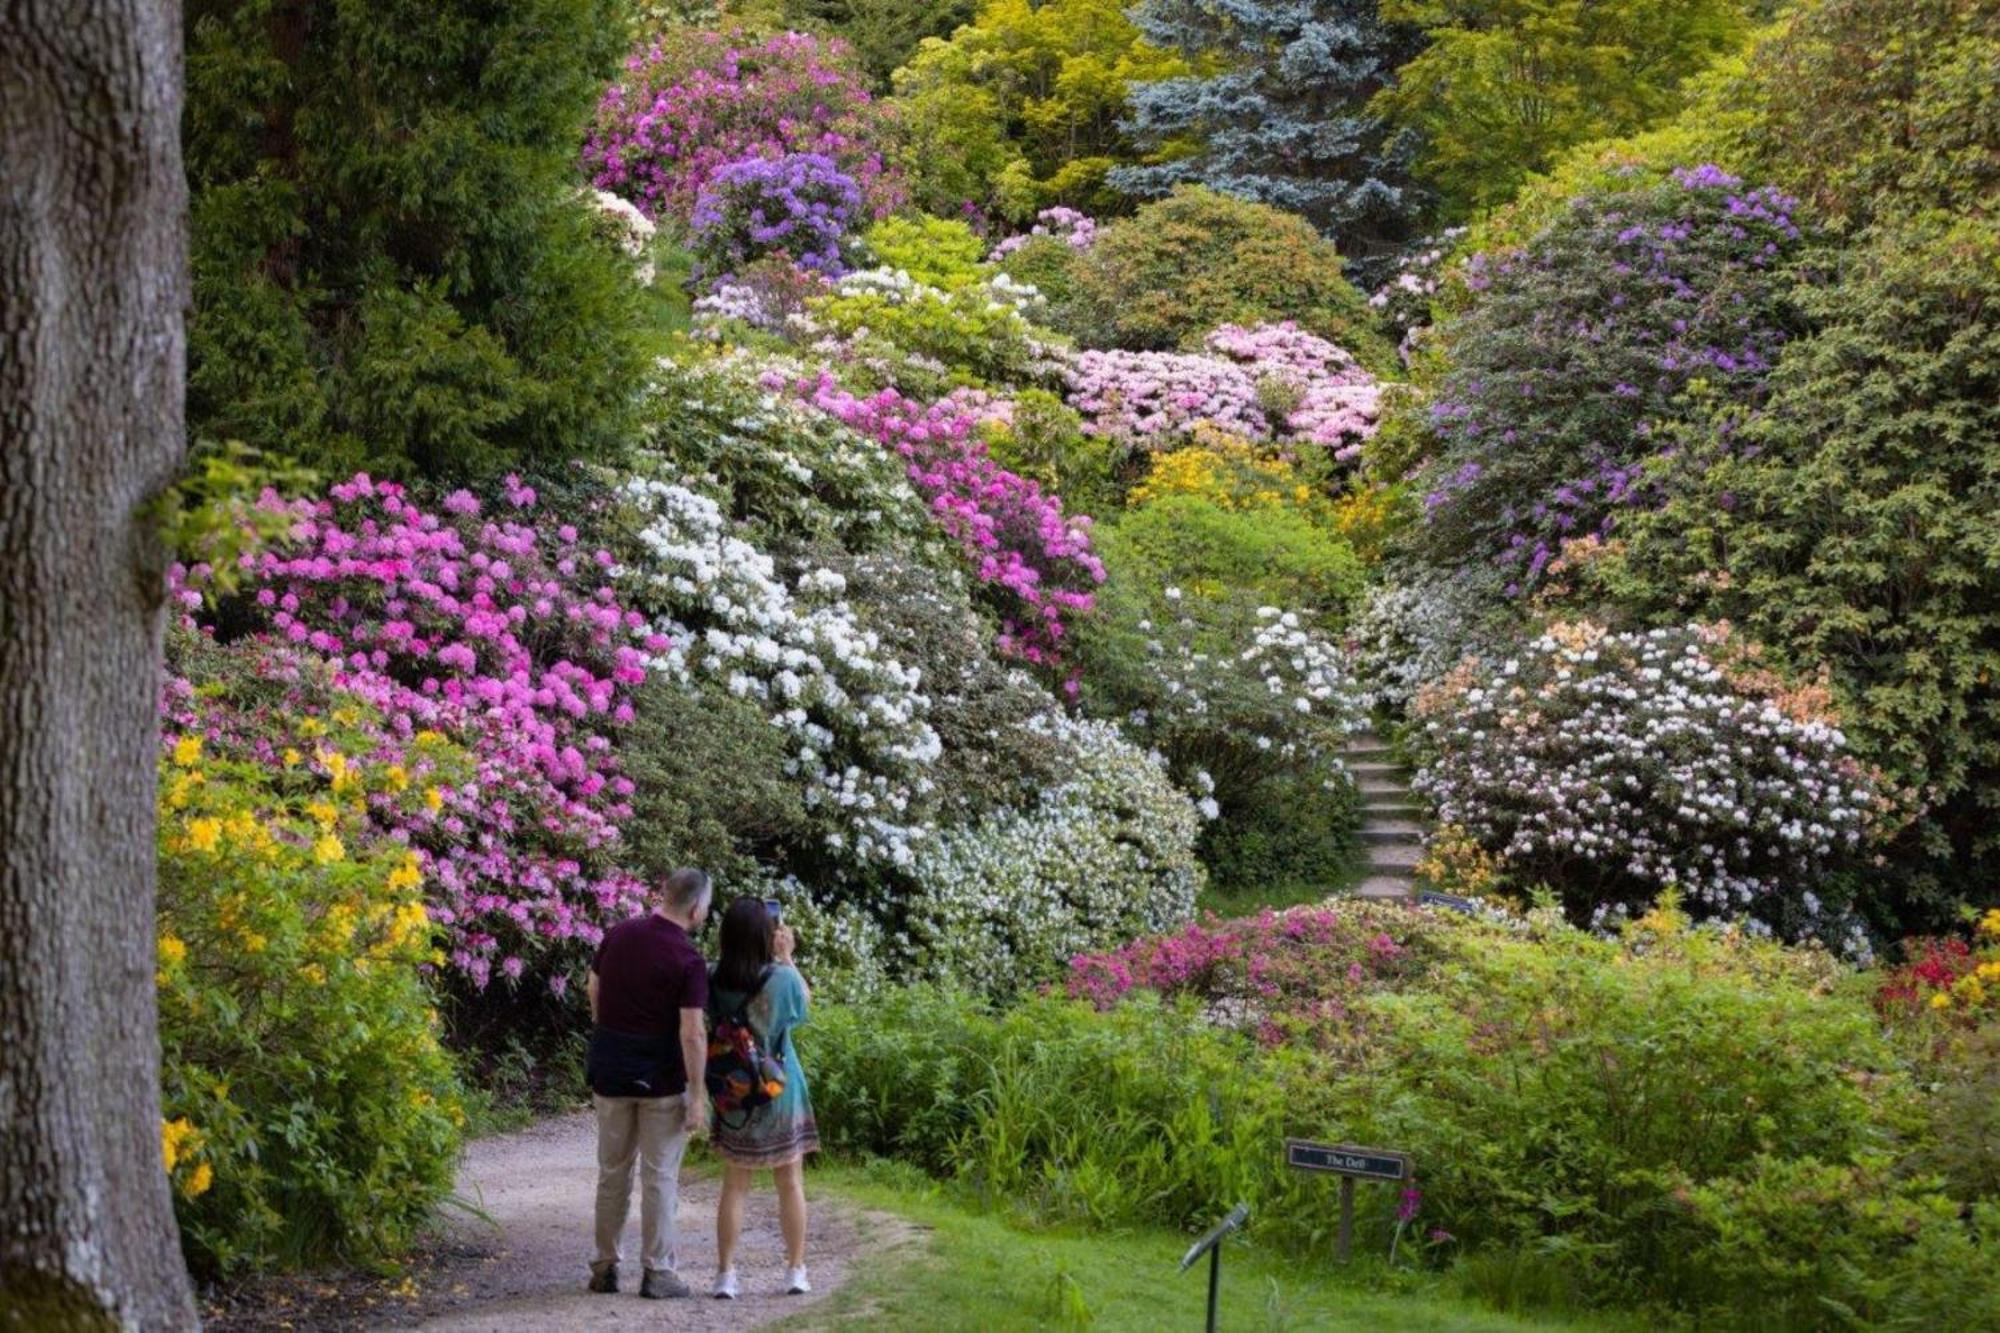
893	286
855	716
1282	691
1409	634
1623	764
1106	855
620	221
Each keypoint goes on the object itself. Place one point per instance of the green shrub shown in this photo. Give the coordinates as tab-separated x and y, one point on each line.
393	266
940	252
1278	555
1042	439
1197	259
310	1111
1049	264
904	334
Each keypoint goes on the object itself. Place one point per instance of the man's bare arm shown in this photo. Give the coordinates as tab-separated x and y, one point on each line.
694	1055
592	988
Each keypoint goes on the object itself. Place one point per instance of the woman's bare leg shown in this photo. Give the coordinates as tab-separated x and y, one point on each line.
791	1182
729	1214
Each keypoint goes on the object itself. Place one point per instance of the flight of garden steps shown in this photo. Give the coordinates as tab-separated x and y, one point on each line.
1392	831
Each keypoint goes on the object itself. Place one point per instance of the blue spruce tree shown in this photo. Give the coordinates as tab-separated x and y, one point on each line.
1284	119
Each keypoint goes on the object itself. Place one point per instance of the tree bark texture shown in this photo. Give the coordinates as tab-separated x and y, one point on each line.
93	297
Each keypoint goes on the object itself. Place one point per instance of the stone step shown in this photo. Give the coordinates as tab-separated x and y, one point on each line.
1386	887
1392	830
1369	768
1394	858
1370	749
1371	786
1399	806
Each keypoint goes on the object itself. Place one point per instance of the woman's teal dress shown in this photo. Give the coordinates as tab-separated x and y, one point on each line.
783	1131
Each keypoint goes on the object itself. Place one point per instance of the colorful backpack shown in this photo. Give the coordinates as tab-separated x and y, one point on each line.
741	1077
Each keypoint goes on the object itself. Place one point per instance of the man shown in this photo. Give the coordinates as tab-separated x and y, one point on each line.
648	1051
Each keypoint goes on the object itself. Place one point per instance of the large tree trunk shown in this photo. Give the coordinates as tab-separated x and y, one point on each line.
93	295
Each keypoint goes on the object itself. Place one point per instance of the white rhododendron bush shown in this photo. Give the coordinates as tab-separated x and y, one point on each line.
1106	855
1619	765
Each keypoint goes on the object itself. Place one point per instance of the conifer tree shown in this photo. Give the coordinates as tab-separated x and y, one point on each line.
1281	115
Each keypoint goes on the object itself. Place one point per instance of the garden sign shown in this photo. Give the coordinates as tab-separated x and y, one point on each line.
1350	1164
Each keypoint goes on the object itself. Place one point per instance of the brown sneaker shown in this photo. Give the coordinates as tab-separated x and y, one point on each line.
604	1277
662	1284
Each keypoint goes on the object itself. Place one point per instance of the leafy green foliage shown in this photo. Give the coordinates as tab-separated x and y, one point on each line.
940	252
1867	107
883	33
1501	88
1185	264
1023	108
1275	555
393	267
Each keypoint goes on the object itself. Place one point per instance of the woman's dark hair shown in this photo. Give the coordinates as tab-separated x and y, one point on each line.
746	945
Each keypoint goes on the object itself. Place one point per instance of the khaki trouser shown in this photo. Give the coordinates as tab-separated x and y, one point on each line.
652	1130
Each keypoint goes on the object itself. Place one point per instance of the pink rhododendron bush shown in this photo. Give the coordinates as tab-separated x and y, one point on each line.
1033	560
1614	766
691	102
1269	382
493	628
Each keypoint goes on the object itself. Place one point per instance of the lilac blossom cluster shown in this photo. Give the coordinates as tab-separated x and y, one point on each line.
1077	230
799	206
1268	382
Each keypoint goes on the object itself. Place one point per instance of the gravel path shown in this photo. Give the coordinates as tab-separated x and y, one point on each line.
529	1274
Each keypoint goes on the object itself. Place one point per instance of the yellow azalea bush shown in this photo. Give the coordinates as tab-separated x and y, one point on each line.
310	1111
1230	473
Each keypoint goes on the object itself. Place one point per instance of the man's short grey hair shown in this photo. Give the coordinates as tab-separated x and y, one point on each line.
686	889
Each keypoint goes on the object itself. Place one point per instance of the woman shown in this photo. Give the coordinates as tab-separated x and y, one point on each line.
756	965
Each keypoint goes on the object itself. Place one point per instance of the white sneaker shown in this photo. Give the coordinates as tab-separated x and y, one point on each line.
725	1285
795	1281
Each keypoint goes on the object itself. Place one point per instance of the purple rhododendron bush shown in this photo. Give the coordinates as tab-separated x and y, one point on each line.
689	103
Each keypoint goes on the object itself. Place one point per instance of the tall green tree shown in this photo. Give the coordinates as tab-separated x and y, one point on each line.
394	267
1503	86
883	33
1023	108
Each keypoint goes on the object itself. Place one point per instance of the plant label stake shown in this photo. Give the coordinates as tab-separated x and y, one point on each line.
1350	1164
1211	1245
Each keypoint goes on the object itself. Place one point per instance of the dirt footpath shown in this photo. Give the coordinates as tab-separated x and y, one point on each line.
537	1186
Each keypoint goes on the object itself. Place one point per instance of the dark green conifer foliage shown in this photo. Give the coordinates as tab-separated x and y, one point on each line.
394	266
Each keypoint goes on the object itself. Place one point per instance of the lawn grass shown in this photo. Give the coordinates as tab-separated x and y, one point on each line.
969	1270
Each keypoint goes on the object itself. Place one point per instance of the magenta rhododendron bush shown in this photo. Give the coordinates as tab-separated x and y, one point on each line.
692	102
498	632
1035	559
